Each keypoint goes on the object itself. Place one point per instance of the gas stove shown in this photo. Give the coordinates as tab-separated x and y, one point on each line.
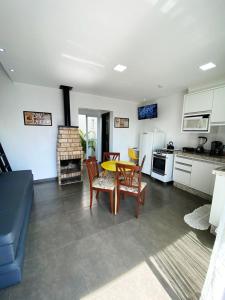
163	165
163	151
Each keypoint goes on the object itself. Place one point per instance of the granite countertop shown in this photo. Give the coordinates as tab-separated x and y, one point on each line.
202	156
219	171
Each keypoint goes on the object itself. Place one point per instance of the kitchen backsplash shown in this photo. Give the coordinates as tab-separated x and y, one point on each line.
217	133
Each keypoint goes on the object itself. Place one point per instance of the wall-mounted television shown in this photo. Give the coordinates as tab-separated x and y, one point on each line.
147	112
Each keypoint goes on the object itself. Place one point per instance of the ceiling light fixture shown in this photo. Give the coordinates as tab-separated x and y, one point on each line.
2	50
207	66
119	68
11	70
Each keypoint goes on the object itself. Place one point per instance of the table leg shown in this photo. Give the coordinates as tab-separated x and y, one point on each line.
115	199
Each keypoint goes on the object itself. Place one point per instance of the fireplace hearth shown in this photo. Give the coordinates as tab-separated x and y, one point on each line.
69	155
69	149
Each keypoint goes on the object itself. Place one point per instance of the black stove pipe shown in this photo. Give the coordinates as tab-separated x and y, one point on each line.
66	101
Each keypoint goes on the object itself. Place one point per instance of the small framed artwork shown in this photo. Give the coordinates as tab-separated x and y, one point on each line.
121	122
34	118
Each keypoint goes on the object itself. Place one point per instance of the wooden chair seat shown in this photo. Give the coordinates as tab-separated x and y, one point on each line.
107	174
105	183
133	189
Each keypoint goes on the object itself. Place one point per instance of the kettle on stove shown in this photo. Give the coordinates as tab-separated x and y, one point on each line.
170	146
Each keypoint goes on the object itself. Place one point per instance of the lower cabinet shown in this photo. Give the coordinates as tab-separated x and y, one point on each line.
202	178
195	174
182	176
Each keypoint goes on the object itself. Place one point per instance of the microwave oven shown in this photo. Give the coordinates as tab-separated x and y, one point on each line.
198	123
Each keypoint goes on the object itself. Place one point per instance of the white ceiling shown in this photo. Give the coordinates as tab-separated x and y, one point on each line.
78	42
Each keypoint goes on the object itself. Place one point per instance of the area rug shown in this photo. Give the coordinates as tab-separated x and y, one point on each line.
199	218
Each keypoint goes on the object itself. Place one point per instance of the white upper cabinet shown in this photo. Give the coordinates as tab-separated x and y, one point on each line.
218	109
198	102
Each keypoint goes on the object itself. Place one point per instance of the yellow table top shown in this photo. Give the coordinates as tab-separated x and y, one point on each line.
110	165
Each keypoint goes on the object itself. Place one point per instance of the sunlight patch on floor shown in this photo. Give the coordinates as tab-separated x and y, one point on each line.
183	265
138	283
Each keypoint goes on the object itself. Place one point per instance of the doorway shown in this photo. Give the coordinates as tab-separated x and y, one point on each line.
88	126
105	132
94	127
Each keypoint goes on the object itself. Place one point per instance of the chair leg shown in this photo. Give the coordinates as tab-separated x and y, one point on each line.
118	201
111	201
97	194
91	197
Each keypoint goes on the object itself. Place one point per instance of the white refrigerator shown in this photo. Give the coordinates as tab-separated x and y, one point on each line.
149	142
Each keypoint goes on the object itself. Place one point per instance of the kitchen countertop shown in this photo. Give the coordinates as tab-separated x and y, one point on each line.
202	156
219	171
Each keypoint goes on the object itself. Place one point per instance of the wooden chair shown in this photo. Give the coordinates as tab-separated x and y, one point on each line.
141	167
143	161
130	184
111	156
99	184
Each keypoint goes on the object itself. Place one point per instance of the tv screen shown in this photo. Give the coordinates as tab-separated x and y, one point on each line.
147	112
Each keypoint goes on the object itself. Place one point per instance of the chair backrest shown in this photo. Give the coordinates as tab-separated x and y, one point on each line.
92	168
129	176
143	161
111	156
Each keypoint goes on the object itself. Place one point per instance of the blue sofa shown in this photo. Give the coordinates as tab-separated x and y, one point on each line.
16	196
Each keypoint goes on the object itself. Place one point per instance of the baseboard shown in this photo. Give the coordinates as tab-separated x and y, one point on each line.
192	191
46	180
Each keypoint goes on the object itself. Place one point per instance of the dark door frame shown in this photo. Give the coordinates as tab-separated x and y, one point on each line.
105	132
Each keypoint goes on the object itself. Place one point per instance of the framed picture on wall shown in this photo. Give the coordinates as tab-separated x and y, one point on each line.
121	122
34	118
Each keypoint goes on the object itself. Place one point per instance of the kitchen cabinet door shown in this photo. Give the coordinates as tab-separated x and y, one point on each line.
198	102
182	176
202	178
218	109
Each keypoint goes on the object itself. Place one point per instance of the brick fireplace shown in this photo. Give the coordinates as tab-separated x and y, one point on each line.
69	155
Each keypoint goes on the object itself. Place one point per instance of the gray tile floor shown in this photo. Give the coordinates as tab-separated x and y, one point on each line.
73	252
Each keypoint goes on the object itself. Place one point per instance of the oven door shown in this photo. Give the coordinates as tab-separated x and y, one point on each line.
159	164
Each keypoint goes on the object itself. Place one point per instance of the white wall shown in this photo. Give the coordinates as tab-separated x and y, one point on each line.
122	138
29	147
34	147
169	120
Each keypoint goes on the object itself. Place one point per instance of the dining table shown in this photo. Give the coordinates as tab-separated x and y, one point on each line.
110	166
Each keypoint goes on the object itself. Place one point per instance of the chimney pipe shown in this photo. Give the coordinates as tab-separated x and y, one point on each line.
66	101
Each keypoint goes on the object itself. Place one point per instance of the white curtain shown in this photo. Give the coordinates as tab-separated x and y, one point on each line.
214	286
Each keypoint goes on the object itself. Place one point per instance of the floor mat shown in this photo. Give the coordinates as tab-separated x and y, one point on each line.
199	218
